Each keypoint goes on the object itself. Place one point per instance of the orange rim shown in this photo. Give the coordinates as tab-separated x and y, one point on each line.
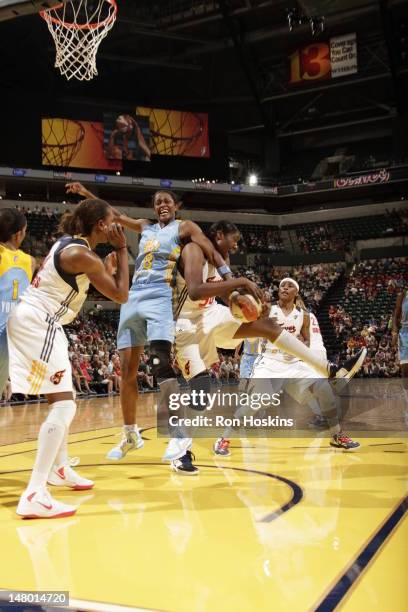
46	15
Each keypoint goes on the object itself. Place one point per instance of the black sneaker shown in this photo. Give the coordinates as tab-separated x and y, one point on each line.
350	367
184	465
318	422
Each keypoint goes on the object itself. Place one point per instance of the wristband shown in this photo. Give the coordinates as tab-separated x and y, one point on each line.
223	270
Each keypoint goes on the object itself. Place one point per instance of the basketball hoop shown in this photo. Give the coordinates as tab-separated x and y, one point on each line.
78	28
62	139
171	136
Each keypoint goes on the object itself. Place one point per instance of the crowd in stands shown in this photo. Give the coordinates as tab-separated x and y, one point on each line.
339	234
42	225
334	235
364	315
261	239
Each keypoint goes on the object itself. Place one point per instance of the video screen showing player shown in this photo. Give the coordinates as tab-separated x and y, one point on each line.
126	137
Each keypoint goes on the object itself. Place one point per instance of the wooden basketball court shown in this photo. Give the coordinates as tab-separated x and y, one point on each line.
280	525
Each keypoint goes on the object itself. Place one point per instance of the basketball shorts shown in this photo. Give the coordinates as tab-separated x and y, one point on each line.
281	372
198	337
246	365
146	316
38	353
4	360
403	345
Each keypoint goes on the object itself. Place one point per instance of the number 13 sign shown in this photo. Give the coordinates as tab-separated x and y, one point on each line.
311	63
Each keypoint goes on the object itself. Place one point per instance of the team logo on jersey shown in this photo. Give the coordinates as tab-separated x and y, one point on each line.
151	245
187	368
57	377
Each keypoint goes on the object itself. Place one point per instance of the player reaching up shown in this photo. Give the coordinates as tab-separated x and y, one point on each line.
16	270
39	361
148	314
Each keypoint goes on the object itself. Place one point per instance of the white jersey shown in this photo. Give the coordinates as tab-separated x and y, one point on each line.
292	323
186	307
316	339
55	292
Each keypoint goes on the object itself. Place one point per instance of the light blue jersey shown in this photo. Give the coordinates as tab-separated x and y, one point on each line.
159	251
249	354
148	314
251	346
403	334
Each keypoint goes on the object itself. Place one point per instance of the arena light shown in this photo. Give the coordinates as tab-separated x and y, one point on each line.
253	179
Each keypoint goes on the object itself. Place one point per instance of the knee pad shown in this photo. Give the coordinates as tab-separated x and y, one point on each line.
159	360
201	382
62	413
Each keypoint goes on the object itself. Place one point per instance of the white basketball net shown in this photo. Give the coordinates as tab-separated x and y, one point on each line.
78	28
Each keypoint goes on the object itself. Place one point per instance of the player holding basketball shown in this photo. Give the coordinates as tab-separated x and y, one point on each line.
203	325
16	270
148	315
39	361
125	124
278	364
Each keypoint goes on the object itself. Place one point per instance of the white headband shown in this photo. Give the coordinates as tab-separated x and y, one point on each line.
289	280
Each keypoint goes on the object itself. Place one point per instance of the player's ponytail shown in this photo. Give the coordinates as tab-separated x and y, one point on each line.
84	217
299	303
11	222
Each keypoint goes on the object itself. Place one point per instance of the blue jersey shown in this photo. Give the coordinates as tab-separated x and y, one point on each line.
15	276
404	311
159	251
251	347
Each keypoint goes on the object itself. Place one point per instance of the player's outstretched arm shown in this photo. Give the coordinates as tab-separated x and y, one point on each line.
78	260
140	138
192	259
136	225
191	232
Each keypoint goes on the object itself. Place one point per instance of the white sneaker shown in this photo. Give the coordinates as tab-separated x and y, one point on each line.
131	440
65	476
40	504
176	448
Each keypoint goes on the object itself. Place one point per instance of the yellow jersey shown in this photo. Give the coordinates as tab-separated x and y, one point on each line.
15	276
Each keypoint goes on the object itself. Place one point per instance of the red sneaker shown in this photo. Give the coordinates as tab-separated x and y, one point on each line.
221	447
342	440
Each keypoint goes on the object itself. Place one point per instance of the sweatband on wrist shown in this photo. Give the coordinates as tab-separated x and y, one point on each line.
223	270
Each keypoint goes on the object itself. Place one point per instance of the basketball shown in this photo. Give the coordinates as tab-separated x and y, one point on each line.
123	124
244	307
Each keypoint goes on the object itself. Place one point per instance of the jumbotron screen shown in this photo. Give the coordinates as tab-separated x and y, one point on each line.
133	134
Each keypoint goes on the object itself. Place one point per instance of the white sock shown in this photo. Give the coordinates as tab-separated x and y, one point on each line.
50	439
62	455
287	343
130	428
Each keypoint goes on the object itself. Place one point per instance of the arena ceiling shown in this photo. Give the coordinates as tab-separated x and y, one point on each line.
228	56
